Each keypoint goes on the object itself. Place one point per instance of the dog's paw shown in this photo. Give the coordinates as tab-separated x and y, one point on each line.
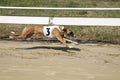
70	46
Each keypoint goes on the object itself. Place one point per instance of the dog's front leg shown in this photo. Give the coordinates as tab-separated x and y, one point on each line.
57	34
63	41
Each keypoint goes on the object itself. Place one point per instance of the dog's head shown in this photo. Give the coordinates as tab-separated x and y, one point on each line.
68	33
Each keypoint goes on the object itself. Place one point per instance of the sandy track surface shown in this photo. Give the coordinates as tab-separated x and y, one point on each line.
53	61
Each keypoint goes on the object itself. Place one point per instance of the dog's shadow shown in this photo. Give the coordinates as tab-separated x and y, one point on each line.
65	49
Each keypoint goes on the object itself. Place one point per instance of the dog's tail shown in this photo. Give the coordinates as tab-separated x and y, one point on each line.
12	32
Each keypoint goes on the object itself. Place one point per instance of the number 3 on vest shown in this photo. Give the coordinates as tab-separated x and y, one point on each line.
48	31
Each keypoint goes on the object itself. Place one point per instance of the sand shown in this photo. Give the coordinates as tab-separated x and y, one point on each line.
53	61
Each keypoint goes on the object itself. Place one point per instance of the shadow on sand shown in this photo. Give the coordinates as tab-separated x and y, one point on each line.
66	49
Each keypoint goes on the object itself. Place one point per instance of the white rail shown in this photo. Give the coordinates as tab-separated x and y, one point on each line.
61	21
24	20
54	8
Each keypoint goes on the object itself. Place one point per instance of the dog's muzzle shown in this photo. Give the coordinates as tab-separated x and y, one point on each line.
71	34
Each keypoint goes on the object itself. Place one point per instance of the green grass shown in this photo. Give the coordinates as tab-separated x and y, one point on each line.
97	33
7	28
61	3
83	33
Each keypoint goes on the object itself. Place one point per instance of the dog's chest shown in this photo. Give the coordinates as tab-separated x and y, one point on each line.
47	30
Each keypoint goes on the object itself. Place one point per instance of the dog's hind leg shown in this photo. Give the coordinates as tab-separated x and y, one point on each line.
26	33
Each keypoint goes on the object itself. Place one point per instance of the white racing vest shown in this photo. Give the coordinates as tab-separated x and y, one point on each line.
48	31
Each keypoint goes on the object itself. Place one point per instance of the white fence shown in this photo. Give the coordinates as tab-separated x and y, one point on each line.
24	20
54	8
60	20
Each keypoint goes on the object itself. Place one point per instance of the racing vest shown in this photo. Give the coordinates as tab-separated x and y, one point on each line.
48	31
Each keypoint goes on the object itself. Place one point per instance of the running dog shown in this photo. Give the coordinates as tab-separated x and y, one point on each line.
58	32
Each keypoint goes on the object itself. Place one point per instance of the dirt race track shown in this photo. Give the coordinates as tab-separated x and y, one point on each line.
53	61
